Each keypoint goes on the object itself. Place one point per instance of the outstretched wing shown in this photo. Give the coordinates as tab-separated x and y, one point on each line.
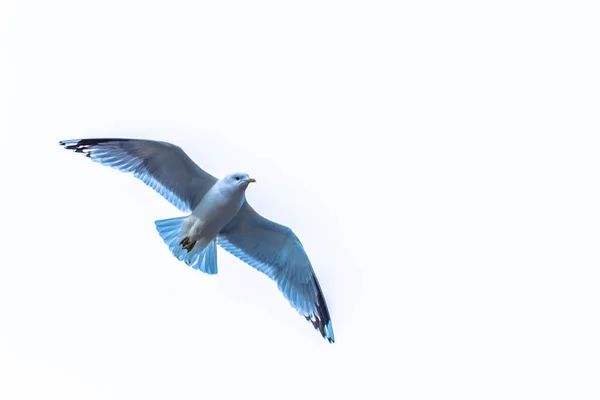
276	251
162	166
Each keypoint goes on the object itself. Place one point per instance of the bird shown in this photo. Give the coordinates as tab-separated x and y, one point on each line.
217	214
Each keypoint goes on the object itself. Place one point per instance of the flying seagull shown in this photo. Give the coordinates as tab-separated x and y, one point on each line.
218	214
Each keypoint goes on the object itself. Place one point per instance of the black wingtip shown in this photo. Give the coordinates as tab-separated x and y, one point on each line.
85	146
321	320
91	142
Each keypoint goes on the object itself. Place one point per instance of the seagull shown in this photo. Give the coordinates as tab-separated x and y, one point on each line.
218	213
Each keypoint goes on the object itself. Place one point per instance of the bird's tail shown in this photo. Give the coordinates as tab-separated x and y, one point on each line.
174	233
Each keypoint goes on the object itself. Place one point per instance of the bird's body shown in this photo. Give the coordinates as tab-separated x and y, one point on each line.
218	213
216	209
219	205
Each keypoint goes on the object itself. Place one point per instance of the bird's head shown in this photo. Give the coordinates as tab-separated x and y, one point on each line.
239	180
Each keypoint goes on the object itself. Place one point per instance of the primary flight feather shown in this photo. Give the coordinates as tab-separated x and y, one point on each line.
218	214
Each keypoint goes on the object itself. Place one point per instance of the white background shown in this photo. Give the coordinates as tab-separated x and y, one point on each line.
438	160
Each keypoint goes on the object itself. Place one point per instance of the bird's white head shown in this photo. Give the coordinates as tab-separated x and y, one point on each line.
238	180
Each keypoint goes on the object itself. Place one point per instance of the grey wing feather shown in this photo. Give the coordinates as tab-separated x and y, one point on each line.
162	166
276	251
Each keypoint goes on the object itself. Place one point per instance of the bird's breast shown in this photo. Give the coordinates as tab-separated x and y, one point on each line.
215	210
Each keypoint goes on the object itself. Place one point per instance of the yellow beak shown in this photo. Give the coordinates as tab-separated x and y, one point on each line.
250	180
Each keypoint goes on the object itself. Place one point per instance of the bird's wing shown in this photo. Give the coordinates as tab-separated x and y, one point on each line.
162	166
276	251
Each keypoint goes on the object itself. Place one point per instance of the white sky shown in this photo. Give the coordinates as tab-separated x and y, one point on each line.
438	160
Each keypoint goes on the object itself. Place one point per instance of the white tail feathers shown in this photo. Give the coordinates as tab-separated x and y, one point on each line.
193	253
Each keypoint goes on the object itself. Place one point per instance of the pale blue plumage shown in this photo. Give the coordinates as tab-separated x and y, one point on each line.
203	259
271	248
162	166
276	251
208	259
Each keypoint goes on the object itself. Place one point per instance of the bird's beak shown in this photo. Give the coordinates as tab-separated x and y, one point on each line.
250	180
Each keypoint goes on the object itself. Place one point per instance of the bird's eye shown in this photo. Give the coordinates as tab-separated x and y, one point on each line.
237	178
